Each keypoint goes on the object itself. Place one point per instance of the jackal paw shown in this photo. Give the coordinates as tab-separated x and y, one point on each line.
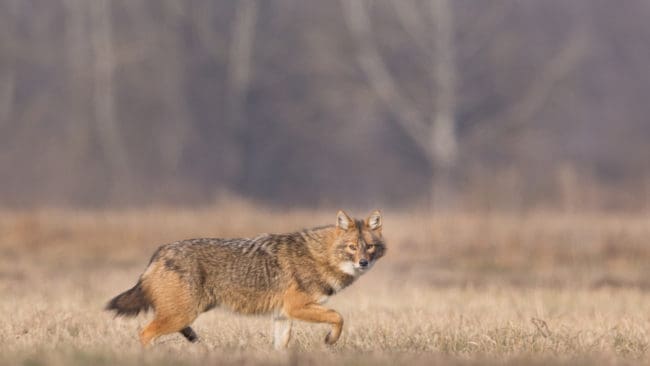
330	339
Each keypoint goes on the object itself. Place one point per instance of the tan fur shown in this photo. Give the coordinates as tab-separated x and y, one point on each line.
287	275
172	298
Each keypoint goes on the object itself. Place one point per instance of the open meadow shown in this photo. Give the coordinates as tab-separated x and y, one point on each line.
471	288
505	142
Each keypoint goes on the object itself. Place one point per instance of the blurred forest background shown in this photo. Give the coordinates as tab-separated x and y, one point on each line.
507	141
504	104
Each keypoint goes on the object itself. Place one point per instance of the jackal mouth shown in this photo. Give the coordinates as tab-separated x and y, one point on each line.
362	269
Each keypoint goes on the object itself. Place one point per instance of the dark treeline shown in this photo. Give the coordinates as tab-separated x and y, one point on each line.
482	104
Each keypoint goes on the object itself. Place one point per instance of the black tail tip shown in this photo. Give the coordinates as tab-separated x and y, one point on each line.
129	303
119	311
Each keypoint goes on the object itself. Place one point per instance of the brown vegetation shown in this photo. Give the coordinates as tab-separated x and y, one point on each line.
462	288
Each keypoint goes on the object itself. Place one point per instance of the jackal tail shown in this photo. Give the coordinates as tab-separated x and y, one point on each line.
130	302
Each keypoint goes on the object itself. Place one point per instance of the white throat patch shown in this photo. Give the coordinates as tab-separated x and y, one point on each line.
348	268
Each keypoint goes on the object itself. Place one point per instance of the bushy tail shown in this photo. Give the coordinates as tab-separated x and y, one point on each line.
130	302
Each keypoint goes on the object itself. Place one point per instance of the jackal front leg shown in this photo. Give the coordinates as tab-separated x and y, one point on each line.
316	313
281	332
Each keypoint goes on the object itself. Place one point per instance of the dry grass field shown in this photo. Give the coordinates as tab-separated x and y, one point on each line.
455	289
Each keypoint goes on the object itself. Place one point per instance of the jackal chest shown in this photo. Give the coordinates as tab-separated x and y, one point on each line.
330	287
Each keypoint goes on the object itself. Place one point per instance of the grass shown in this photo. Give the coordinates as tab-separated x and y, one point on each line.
461	288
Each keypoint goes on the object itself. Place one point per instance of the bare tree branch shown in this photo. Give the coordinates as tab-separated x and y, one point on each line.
411	21
556	69
380	79
541	88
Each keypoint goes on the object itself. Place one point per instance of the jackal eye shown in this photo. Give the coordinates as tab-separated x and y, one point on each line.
352	246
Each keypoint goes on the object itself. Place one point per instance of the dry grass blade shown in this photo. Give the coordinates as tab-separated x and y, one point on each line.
459	289
541	326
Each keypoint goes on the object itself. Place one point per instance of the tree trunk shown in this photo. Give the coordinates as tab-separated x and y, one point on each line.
444	144
77	65
101	38
240	69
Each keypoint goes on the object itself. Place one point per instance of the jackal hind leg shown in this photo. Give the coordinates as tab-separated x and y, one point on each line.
281	332
316	313
165	324
175	308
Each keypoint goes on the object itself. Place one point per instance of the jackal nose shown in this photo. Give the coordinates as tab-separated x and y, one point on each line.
363	263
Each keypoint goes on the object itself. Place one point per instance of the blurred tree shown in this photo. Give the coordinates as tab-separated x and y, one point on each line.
240	73
104	107
290	102
436	136
7	63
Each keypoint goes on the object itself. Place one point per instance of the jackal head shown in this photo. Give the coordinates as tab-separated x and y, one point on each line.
359	243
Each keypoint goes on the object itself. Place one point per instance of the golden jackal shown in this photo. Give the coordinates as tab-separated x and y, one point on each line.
287	275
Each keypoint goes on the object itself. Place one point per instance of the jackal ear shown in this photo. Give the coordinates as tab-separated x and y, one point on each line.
374	220
343	221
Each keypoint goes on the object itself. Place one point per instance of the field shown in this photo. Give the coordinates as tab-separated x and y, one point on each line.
470	288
